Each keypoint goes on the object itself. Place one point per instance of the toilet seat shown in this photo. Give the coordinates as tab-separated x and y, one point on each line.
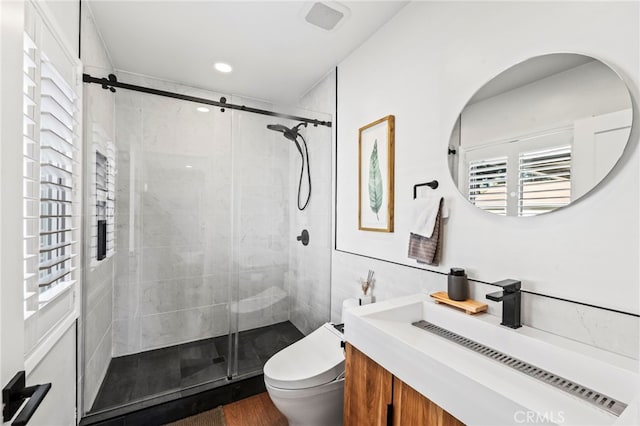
314	360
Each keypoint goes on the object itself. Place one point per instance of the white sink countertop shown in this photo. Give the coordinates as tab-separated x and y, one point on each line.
481	391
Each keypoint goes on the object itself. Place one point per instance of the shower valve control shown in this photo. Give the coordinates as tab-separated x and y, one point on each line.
303	237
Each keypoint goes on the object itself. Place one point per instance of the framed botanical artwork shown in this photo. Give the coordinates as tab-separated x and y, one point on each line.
375	175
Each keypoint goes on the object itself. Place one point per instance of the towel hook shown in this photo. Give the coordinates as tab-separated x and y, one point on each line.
433	185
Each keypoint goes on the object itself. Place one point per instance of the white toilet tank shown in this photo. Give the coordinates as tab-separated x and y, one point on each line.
348	304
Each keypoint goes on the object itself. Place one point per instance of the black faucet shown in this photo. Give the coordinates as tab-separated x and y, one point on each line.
510	296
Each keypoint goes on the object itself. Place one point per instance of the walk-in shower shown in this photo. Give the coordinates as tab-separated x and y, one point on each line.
293	134
205	280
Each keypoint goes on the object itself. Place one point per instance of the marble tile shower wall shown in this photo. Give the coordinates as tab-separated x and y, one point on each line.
310	266
174	229
179	249
98	327
261	190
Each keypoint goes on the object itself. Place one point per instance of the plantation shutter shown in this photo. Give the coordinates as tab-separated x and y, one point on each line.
31	192
488	184
51	181
544	178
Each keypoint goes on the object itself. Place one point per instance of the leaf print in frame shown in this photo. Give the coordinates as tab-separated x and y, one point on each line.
375	181
376	175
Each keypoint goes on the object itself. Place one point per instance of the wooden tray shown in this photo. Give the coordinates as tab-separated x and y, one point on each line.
470	306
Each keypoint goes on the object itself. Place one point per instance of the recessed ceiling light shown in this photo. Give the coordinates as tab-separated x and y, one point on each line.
188	166
203	109
222	67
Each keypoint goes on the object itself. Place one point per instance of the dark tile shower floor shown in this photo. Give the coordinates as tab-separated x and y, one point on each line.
139	376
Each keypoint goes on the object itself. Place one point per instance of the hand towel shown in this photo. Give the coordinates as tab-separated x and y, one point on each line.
425	211
427	249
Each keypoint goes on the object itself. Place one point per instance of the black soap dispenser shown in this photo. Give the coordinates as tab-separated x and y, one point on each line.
457	285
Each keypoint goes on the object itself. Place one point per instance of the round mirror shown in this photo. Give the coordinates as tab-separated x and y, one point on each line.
540	135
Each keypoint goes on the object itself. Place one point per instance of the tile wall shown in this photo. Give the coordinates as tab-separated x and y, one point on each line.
173	229
261	205
310	266
203	208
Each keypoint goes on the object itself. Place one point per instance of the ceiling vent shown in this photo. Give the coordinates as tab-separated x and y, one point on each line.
326	15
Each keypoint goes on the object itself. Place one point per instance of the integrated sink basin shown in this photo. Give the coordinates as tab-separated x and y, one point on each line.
489	387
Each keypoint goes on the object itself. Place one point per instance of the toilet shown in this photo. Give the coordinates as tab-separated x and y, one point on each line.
306	379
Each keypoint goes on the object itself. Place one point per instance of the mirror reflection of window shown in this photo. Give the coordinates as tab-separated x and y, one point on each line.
488	184
533	177
544	181
101	205
540	135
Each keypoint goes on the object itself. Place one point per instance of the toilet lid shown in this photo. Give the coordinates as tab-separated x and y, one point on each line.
312	361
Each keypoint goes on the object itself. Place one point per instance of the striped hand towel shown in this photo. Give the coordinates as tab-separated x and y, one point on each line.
427	250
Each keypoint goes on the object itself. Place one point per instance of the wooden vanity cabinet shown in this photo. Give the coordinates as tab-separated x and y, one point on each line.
412	408
367	390
373	396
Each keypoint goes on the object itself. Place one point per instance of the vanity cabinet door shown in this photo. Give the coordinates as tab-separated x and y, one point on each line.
374	397
412	408
367	390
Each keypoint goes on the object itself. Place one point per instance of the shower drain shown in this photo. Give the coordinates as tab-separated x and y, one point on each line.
601	401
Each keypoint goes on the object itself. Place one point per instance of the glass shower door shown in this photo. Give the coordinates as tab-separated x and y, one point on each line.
168	327
281	289
182	274
206	280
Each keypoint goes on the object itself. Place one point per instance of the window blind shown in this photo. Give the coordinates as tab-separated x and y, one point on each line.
488	184
51	175
544	180
111	197
103	195
31	160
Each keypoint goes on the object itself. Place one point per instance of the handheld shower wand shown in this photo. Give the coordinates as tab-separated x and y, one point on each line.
293	135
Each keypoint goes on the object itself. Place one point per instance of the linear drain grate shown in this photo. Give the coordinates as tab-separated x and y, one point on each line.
601	401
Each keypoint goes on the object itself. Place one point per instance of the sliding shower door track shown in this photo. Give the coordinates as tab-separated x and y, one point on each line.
172	406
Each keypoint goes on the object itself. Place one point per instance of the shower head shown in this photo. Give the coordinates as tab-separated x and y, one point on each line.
291	134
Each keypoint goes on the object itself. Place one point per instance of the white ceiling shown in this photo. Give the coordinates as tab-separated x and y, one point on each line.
276	55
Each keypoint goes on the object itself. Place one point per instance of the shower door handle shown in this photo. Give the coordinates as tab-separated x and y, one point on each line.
303	237
14	395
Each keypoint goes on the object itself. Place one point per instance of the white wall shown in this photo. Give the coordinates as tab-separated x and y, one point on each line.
67	14
58	368
423	67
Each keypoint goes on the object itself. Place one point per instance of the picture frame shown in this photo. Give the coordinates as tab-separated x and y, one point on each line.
376	175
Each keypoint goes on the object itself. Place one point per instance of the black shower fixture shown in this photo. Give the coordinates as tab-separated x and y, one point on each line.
110	79
293	135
